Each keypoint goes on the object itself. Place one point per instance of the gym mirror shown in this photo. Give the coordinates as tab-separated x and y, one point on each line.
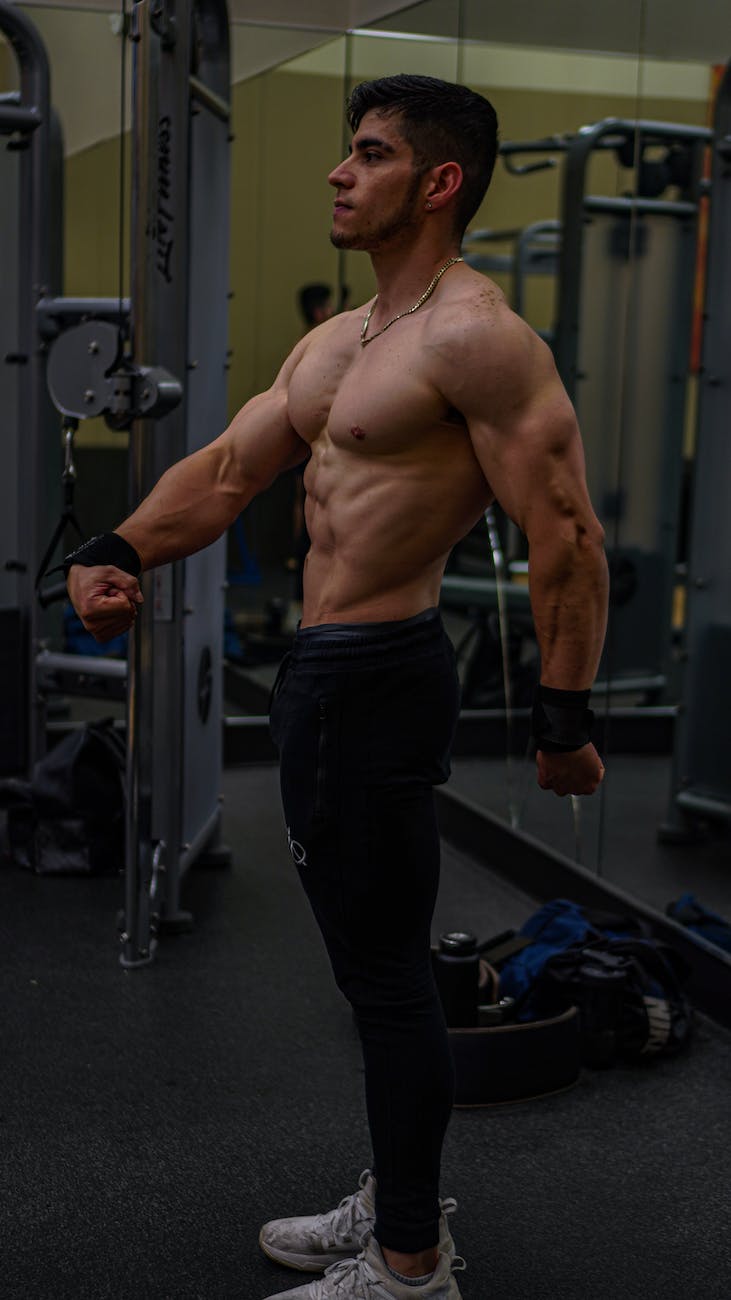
622	313
667	798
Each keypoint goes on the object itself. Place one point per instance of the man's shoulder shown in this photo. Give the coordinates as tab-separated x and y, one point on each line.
476	327
477	307
341	327
339	331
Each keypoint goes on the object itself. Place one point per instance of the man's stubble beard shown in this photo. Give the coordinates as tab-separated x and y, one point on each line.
374	239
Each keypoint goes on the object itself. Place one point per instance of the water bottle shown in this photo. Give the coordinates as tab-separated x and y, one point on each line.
457	973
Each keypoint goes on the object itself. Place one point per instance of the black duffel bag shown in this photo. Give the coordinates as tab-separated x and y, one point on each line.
70	818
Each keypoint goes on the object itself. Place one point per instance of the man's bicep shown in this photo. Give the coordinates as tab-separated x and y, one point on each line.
259	443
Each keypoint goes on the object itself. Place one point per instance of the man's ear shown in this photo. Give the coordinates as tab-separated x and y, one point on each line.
444	182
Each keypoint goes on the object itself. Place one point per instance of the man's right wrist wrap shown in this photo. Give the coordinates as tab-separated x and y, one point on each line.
562	721
107	548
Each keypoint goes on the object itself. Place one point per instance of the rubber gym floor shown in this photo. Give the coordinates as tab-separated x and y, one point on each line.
150	1121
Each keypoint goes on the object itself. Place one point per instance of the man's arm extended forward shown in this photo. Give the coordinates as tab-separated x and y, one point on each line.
193	503
526	438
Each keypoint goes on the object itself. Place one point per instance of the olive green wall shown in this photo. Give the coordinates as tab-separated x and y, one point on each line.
91	265
8	75
288	132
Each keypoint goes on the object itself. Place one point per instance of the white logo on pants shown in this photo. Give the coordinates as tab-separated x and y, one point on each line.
299	853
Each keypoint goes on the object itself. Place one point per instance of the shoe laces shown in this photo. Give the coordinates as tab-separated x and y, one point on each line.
355	1269
343	1222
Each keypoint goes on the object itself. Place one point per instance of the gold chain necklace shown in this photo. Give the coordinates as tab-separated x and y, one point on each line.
409	311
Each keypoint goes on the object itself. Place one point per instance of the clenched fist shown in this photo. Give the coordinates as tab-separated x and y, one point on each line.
580	772
105	599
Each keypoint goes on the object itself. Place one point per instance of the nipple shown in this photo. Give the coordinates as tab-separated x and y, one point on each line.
357	432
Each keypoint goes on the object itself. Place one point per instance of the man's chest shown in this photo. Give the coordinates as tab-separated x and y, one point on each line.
378	399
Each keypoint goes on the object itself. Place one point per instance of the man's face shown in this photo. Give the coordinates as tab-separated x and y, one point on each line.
378	188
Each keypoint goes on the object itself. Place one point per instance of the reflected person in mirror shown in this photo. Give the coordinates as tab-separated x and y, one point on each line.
416	411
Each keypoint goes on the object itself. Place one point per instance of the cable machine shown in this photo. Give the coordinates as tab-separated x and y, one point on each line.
156	364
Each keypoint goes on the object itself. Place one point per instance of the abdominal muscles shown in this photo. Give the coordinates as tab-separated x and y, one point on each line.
381	528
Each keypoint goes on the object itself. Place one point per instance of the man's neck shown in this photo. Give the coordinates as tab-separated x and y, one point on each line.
402	274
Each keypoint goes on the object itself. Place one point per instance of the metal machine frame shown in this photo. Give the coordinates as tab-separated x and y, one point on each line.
179	320
32	239
702	770
156	364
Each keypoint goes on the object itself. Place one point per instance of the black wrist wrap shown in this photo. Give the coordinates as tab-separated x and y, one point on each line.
562	721
107	548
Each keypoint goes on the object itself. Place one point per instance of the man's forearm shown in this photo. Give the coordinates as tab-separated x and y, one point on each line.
569	588
189	507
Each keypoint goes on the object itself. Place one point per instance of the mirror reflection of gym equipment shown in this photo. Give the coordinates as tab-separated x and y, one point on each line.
177	1006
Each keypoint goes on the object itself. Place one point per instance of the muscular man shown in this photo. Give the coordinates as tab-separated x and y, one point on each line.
417	412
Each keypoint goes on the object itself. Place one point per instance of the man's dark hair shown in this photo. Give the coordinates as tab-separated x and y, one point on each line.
312	296
442	122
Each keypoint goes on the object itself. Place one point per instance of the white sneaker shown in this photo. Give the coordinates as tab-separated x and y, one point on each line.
367	1278
314	1242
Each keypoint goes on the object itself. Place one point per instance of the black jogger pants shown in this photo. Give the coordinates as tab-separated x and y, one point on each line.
363	716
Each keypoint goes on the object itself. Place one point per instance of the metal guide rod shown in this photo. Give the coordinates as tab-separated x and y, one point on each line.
137	940
164	302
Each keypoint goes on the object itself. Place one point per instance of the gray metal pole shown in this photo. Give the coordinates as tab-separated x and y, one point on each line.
178	317
138	942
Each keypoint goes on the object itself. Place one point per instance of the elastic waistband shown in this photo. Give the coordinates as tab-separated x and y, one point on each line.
365	631
351	640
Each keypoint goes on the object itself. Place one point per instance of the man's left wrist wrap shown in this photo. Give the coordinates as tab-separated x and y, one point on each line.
562	720
107	548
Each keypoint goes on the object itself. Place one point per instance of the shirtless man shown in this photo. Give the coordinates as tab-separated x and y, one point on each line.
417	413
